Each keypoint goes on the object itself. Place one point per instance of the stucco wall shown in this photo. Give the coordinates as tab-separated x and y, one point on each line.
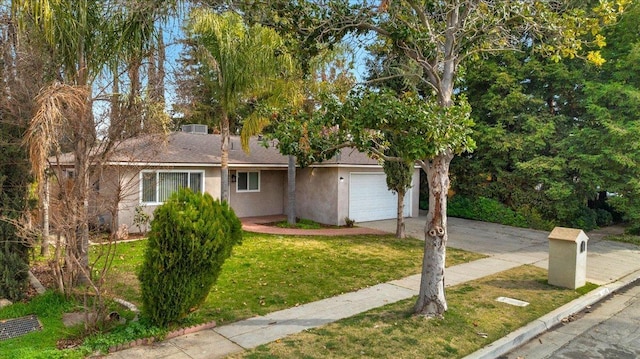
316	194
212	182
129	179
115	187
269	201
322	194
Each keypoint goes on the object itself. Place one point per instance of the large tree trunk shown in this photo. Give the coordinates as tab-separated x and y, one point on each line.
291	190
134	108
400	233
431	299
224	158
84	140
81	202
156	72
44	249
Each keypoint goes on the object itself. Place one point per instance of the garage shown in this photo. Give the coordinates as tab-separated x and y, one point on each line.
370	200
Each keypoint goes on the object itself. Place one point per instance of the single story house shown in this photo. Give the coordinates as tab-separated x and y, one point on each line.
144	171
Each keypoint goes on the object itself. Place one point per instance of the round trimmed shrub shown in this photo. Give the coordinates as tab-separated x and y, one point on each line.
191	236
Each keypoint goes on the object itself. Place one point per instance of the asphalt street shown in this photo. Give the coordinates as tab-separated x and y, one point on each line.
610	329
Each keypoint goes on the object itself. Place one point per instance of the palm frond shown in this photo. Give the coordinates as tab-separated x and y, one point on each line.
281	93
59	107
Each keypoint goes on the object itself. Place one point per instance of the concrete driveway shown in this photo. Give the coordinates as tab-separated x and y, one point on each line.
480	237
606	260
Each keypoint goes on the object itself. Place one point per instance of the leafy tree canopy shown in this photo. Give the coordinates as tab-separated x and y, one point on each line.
554	137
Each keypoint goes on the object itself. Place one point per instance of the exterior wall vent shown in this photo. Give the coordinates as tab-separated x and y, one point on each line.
194	128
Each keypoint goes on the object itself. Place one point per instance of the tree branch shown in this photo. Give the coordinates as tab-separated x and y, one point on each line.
430	70
423	19
381	154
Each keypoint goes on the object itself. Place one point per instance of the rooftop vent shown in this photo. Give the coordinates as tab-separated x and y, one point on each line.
193	128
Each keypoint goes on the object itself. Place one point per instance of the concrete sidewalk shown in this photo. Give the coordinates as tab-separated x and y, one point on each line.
506	248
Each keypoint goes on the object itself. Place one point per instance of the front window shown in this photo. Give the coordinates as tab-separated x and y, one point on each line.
158	186
248	182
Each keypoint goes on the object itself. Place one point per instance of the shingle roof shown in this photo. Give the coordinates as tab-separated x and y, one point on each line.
194	148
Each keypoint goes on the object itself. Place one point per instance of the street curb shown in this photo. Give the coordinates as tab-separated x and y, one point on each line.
550	320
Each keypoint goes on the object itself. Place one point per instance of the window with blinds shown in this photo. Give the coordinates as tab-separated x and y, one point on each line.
158	186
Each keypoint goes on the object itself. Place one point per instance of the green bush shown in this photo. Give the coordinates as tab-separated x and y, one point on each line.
191	236
491	210
603	217
485	209
633	229
133	330
462	207
583	218
535	219
14	272
141	219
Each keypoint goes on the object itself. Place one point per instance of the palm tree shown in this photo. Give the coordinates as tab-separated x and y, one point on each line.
326	72
82	38
244	62
68	28
285	93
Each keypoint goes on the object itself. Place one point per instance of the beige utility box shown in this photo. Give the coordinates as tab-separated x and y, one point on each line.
567	257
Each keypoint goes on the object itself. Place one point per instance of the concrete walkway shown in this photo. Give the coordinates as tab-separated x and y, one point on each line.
258	225
506	248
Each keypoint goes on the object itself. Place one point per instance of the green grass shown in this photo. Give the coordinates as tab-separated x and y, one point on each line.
49	308
101	342
122	277
270	272
586	288
266	273
300	224
474	319
625	238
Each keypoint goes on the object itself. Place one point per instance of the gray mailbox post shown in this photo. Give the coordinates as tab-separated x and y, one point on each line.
567	257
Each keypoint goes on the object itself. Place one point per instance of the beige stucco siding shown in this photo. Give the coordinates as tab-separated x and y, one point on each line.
316	198
212	182
117	185
269	200
322	194
129	180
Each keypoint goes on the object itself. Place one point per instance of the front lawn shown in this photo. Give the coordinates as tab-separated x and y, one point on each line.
266	273
272	272
474	320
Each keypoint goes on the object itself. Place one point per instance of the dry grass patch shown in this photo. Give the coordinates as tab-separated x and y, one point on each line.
474	319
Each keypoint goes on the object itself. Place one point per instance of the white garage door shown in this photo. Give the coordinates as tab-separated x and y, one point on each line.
370	200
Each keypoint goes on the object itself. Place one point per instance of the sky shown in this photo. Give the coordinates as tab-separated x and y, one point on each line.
173	34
